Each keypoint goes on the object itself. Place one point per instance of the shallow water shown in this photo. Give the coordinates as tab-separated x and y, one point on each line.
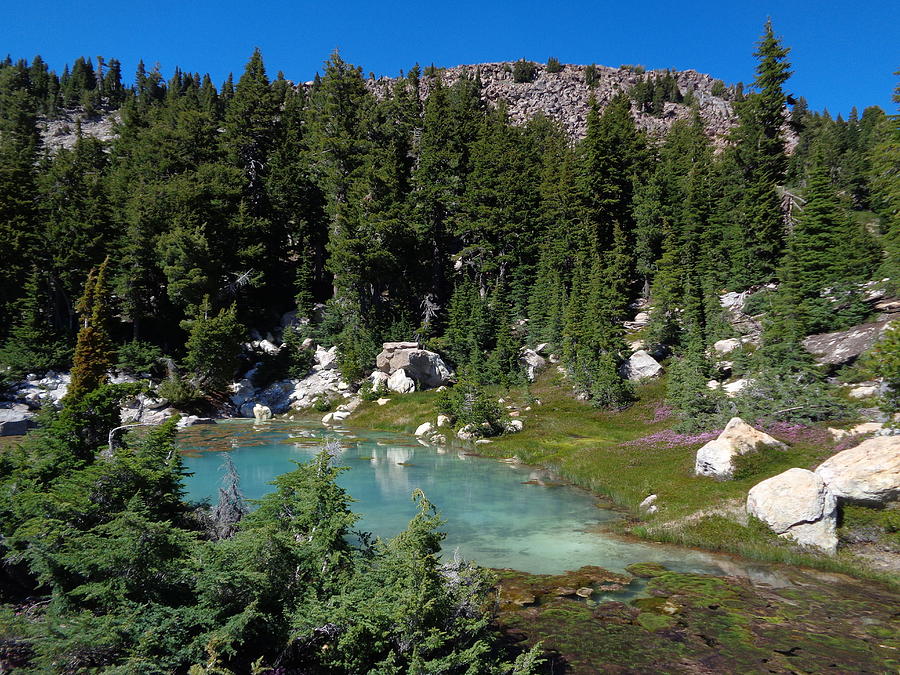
499	514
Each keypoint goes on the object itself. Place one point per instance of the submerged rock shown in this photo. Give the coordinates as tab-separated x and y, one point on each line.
797	504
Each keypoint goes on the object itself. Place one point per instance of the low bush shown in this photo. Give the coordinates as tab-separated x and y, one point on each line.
466	403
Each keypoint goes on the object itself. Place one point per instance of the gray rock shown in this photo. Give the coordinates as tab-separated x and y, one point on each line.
640	366
843	346
426	368
727	346
15	420
797	504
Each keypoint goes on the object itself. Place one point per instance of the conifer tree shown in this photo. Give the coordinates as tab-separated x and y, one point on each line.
763	162
94	352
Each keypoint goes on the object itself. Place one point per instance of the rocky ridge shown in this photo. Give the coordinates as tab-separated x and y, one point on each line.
564	96
561	96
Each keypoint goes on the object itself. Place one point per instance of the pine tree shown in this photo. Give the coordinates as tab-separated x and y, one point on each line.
94	352
762	160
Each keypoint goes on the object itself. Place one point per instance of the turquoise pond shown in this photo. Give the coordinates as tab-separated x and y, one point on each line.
499	514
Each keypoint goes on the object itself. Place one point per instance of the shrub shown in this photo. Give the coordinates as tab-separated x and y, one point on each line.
591	75
369	393
213	347
718	88
553	65
466	403
137	357
291	361
524	71
180	393
322	404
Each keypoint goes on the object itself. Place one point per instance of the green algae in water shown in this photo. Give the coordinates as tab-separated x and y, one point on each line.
490	516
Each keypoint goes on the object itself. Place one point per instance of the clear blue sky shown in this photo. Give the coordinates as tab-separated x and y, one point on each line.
843	53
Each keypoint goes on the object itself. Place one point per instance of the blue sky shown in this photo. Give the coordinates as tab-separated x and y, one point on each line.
843	53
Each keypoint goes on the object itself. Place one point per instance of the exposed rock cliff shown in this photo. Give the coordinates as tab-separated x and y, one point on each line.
564	96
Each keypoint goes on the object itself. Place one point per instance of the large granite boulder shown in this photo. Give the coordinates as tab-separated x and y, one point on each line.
798	505
640	366
870	472
716	458
844	346
426	368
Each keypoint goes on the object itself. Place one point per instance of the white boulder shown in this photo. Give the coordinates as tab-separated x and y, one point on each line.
640	366
383	401
424	429
401	383
726	346
443	421
379	380
869	472
797	504
858	430
864	391
325	358
736	387
514	426
262	413
716	458
649	504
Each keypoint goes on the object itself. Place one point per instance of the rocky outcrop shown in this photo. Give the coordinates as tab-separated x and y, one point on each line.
564	96
324	380
868	473
426	368
640	366
797	504
60	131
36	392
843	346
716	458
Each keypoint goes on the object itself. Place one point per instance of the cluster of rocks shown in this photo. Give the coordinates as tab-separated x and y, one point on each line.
402	367
803	505
800	504
564	96
25	398
323	380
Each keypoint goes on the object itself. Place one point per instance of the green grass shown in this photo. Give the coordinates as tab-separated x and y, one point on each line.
586	447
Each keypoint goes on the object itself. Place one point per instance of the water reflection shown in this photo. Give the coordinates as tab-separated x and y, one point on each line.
500	514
